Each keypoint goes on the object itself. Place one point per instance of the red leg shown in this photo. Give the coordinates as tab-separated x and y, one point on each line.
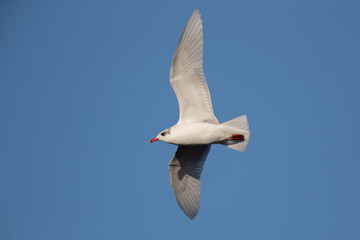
237	137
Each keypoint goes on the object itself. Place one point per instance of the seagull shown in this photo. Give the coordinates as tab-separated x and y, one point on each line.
197	128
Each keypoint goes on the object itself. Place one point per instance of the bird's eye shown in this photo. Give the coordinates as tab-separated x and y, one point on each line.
162	134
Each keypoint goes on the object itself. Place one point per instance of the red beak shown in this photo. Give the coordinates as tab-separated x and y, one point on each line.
153	140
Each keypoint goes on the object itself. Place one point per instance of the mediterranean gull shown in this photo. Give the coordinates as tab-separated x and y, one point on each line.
197	127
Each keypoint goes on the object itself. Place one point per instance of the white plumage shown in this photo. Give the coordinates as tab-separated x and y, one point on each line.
197	127
187	76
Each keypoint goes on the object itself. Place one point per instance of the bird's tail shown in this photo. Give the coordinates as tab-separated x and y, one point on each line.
239	133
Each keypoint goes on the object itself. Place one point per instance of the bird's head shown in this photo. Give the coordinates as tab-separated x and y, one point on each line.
162	136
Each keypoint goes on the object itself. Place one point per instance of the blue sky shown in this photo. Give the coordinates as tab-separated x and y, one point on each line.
85	84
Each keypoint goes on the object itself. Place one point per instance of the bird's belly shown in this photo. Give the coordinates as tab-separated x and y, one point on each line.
197	134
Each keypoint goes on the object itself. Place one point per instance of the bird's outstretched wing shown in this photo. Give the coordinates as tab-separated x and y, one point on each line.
187	76
185	169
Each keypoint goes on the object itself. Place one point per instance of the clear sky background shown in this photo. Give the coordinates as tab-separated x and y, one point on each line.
85	84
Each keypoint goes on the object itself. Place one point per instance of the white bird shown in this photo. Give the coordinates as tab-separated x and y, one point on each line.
197	127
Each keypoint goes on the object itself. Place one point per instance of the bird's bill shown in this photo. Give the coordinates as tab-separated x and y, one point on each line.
153	140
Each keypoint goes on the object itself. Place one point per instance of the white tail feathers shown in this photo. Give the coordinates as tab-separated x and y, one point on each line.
237	125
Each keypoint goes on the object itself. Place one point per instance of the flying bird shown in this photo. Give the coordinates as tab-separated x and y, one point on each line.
197	127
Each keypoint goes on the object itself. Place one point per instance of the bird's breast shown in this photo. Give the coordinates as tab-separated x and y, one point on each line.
196	134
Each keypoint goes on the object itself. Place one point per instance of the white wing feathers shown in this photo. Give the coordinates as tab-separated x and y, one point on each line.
185	169
187	76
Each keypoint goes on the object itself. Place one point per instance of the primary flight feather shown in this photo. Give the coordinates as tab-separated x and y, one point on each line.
197	127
